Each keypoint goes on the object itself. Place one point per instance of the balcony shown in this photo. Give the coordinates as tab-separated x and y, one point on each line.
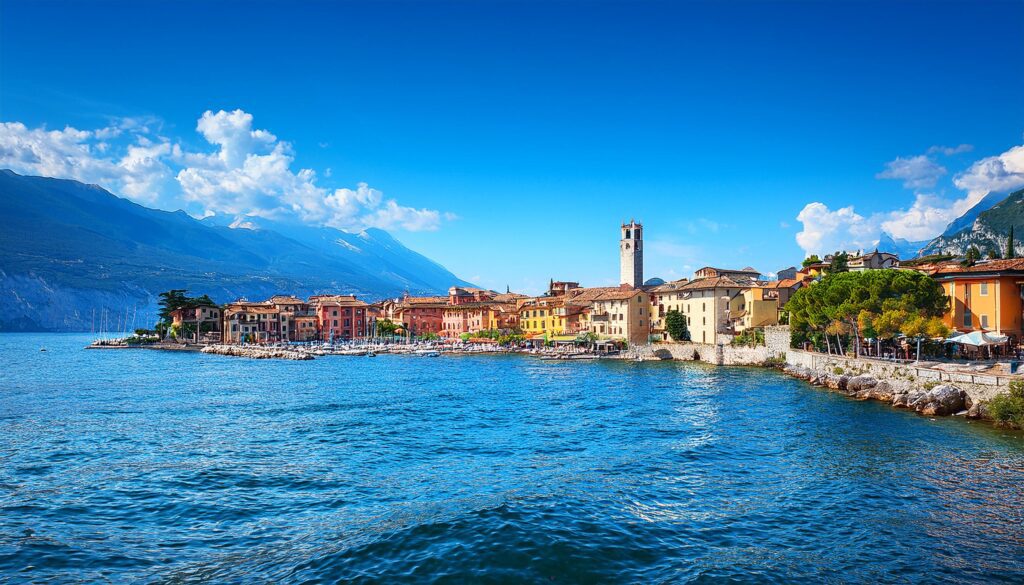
599	317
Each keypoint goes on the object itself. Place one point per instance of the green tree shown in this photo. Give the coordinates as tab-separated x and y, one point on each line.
857	303
840	262
386	327
675	324
993	254
972	256
812	259
171	301
1011	251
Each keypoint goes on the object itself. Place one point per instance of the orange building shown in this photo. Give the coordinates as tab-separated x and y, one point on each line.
984	297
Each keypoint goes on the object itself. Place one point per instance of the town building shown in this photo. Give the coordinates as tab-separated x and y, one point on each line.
664	298
872	261
623	314
290	308
341	317
983	297
198	323
747	273
787	273
631	255
708	304
755	306
249	322
417	316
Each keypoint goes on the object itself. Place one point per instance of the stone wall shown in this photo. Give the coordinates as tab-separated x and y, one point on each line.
980	387
719	355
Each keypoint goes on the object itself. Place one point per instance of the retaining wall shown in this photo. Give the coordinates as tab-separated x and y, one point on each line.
980	387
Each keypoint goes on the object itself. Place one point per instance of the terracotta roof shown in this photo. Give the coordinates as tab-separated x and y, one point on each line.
425	300
578	295
1004	265
669	286
618	295
784	283
717	282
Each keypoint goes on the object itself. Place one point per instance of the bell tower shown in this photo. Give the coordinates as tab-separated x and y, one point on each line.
631	254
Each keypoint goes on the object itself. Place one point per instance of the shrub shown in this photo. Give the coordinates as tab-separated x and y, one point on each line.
837	371
1008	408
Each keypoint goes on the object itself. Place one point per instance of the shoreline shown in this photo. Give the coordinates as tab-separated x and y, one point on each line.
927	392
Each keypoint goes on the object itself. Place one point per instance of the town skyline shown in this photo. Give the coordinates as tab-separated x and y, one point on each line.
488	157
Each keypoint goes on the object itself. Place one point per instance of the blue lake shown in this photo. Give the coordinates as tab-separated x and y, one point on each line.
129	465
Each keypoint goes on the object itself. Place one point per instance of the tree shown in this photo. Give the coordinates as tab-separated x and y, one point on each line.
993	254
675	324
972	256
386	327
171	301
839	262
812	259
1011	252
877	302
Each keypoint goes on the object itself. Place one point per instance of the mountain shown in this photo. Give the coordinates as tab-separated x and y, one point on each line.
989	230
967	219
899	246
69	251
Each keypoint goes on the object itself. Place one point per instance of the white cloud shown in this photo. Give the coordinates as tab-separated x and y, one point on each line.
83	155
826	230
916	172
248	174
1004	172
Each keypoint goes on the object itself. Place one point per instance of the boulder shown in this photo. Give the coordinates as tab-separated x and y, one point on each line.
978	410
906	398
858	383
942	400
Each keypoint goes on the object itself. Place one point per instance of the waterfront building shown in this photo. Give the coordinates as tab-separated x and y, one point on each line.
665	297
707	305
304	328
542	317
417	315
202	321
756	306
341	317
631	255
289	309
623	314
983	297
250	322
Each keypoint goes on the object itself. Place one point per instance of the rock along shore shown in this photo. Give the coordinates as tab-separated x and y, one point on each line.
255	352
929	400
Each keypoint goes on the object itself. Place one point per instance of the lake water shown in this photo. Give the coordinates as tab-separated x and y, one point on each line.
127	465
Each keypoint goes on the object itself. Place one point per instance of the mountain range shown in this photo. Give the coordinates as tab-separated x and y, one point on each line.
73	254
986	225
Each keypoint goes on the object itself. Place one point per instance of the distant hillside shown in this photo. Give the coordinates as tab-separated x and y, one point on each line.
989	230
68	249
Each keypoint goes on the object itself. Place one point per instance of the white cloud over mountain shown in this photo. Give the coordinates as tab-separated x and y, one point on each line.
827	230
248	173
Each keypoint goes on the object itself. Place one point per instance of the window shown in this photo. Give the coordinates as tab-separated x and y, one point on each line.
983	292
967	318
335	322
984	321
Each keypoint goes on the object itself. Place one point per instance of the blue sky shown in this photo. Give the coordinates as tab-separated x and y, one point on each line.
507	140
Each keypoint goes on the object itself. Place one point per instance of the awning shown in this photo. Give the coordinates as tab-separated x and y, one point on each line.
978	339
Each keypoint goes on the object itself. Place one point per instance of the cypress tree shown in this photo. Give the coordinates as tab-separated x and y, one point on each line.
1010	252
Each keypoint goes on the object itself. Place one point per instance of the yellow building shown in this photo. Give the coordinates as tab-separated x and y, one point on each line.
542	316
756	306
983	297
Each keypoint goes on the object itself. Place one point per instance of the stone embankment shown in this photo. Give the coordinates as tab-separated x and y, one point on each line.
931	399
255	352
